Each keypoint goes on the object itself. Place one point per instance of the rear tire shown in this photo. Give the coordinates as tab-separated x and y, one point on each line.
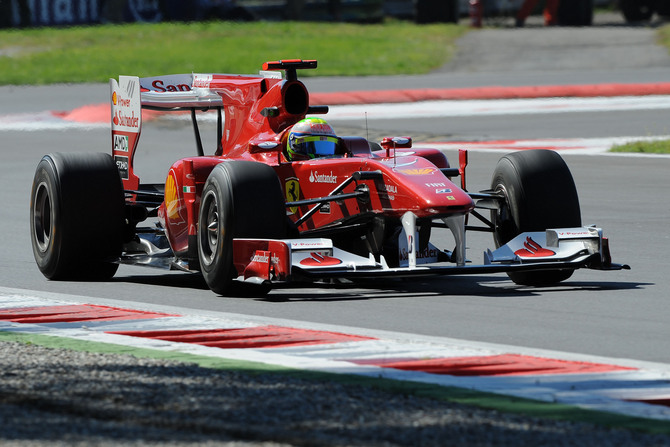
241	199
540	194
77	216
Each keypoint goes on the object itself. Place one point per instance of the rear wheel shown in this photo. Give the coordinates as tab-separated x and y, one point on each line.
241	199
540	193
76	216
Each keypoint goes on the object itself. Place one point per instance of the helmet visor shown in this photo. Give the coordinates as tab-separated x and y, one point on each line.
316	145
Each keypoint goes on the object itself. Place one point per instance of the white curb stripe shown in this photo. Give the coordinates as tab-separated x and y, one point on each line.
598	391
494	107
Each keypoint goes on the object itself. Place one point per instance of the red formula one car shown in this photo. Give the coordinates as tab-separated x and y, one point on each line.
284	199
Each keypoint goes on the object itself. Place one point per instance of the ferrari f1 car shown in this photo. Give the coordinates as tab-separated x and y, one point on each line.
283	199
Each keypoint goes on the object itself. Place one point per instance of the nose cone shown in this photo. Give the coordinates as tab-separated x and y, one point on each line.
433	192
415	184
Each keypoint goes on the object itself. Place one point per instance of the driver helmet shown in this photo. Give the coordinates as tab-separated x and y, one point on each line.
311	138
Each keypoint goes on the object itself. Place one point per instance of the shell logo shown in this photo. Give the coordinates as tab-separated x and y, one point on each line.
171	197
418	171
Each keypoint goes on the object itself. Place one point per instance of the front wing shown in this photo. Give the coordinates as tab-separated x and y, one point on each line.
280	261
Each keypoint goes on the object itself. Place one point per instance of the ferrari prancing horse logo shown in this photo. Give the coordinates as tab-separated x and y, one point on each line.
292	188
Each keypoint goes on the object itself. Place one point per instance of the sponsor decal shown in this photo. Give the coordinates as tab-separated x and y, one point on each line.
574	234
126	121
430	253
451	198
315	177
321	128
444	191
119	101
172	204
418	171
325	209
389	188
387	191
292	191
202	80
189	189
126	108
159	86
320	260
122	165
264	257
58	12
121	143
533	250
297	245
436	185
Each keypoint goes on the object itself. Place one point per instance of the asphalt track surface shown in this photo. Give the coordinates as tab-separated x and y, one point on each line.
618	314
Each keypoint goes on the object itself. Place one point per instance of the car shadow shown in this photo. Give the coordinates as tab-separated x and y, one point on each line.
491	286
178	280
479	286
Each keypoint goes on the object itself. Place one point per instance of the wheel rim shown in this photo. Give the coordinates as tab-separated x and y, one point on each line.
42	217
211	235
503	221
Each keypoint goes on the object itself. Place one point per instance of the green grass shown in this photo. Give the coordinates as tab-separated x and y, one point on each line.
647	147
96	53
663	36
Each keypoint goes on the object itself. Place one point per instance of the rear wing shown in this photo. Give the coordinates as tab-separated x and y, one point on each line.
131	94
191	92
188	91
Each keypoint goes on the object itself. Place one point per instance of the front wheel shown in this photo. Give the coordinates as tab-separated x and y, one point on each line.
241	199
77	216
540	193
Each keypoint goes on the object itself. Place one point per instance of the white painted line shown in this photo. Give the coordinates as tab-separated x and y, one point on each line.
583	146
47	120
492	107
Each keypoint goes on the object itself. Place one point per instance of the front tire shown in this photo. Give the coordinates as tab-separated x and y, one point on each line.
241	199
76	216
540	193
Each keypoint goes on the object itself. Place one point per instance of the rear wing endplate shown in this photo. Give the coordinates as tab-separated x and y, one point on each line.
126	126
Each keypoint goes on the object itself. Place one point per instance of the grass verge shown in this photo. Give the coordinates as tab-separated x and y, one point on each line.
96	53
645	147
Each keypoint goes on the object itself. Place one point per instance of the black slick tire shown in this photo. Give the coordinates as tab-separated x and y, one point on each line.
77	216
540	193
240	199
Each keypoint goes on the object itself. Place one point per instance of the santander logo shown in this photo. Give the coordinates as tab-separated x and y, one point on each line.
315	177
533	250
